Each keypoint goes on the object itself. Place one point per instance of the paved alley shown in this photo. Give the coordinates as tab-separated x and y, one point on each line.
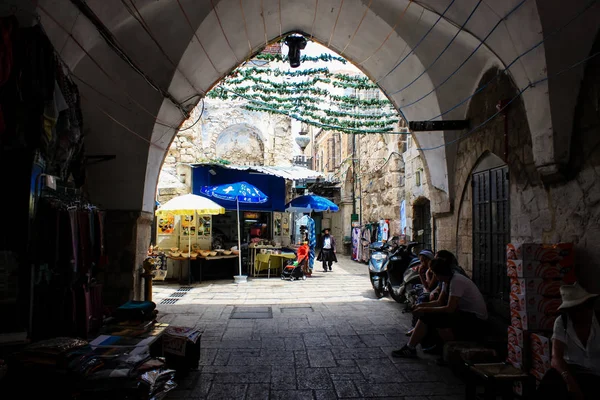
324	338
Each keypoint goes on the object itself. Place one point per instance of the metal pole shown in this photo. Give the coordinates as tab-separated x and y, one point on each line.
239	237
354	173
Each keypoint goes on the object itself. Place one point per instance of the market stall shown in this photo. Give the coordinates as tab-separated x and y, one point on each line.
259	222
183	235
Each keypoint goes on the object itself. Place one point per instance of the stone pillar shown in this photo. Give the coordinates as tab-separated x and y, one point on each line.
127	237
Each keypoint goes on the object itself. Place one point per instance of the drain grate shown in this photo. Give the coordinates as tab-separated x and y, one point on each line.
169	301
177	294
185	289
251	313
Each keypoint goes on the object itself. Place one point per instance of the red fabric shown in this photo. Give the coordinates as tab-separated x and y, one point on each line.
302	252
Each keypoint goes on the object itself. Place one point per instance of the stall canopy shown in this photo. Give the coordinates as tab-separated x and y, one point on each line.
270	180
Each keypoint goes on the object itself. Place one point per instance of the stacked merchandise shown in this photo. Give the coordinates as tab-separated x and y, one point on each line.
71	367
536	272
181	346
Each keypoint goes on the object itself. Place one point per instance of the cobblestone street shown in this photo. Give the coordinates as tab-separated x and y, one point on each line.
324	338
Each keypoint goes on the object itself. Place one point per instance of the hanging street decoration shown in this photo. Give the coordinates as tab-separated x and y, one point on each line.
331	101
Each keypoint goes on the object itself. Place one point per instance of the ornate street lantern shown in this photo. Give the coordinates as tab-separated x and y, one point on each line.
302	141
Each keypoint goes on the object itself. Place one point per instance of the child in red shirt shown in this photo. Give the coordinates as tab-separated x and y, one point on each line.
303	258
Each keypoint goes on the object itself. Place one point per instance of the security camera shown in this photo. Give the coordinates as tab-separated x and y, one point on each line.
295	44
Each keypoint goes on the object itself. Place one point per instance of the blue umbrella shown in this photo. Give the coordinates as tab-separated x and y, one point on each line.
240	192
310	203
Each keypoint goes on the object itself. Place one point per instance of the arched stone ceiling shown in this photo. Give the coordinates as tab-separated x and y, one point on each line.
125	116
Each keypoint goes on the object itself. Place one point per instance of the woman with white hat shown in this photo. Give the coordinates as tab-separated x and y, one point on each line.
575	369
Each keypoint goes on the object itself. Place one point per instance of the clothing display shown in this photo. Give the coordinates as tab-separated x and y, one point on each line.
368	233
68	300
312	242
41	133
356	245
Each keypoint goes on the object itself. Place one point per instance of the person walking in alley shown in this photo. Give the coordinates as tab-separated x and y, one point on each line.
463	314
327	253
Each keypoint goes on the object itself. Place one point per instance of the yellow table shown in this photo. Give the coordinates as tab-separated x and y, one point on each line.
276	259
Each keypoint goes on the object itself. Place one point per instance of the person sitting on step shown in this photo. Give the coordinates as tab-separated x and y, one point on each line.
464	310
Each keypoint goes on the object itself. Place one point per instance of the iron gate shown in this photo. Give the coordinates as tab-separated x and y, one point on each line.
422	225
491	234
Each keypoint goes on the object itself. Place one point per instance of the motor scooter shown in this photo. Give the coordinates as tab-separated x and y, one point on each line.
410	279
387	264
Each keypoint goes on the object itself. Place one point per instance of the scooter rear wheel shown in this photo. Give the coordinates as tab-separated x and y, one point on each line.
397	296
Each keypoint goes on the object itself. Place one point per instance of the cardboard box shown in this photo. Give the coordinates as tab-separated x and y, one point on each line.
539	345
535	304
540	322
539	366
518	319
518	388
515	337
559	253
535	286
538	269
514	268
515	356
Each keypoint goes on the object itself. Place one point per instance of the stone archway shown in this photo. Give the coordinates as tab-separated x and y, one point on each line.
240	144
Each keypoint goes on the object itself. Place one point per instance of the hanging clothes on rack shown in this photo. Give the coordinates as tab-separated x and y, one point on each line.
312	243
356	246
63	266
367	236
385	229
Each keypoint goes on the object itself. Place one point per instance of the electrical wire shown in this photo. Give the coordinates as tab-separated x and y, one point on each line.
533	84
357	27
140	19
196	35
112	42
468	57
212	3
544	39
312	29
389	34
416	46
123	125
199	117
262	15
462	27
335	24
119	86
246	27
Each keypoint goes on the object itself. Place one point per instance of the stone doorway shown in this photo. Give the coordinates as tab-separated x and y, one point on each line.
491	231
422	223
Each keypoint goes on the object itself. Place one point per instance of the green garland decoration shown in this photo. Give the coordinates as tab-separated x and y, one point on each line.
284	58
307	100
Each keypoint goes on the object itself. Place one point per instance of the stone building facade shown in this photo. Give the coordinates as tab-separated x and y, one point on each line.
224	130
376	189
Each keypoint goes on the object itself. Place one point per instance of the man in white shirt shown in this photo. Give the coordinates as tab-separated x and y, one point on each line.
463	314
327	253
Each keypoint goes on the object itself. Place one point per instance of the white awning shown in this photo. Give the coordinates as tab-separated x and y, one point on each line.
292	173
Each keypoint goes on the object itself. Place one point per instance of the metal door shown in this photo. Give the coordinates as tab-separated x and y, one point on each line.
491	234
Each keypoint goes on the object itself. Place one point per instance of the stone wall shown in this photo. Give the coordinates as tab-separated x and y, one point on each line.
415	190
565	211
227	131
127	237
381	186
